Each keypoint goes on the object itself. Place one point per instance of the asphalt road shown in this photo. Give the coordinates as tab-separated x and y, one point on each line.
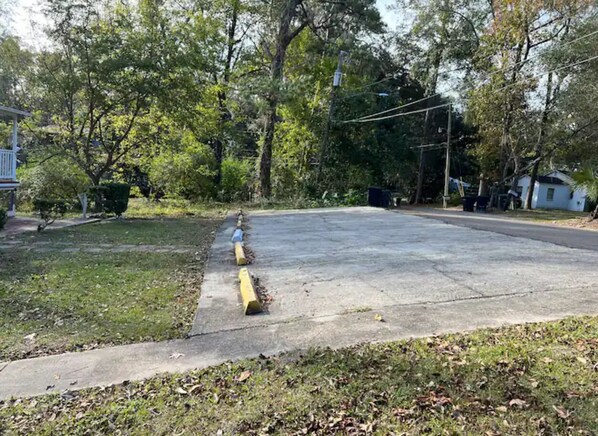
563	236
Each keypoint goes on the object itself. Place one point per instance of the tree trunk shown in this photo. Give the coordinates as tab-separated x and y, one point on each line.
284	37
539	143
432	83
532	181
225	115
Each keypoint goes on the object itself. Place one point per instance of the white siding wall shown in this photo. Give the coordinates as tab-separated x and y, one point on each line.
524	183
578	202
559	201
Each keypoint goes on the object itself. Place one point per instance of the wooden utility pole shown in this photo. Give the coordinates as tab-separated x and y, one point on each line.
447	165
336	82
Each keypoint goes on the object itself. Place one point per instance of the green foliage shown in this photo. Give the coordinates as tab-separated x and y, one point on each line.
187	174
588	180
235	182
3	218
49	211
54	178
116	197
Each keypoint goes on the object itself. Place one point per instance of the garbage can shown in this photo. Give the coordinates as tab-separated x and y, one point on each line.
481	204
386	199
374	196
468	203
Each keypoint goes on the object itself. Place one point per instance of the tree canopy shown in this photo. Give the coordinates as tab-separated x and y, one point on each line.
234	99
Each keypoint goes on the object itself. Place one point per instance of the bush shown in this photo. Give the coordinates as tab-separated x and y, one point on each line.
188	174
3	218
49	211
116	197
55	178
235	182
111	197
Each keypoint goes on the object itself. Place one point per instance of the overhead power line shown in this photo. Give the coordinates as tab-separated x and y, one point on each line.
563	44
394	108
509	68
367	118
583	61
402	114
391	77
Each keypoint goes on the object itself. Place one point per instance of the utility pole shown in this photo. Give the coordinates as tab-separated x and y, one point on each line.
336	82
422	164
447	165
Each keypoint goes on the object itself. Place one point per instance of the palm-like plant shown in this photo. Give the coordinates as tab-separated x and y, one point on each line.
588	180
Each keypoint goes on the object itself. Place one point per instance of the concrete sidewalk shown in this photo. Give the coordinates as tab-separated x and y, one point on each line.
17	225
107	366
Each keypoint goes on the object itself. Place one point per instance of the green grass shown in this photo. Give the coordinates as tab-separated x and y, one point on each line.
531	379
544	214
141	208
74	301
156	231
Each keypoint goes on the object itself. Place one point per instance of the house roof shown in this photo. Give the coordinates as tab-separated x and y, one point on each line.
550	180
5	110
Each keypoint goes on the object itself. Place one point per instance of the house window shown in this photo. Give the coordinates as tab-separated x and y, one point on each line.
550	194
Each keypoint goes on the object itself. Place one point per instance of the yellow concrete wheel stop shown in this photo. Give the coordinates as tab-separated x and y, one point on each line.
240	254
251	303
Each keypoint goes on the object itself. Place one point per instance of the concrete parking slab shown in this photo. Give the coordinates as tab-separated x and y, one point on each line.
325	262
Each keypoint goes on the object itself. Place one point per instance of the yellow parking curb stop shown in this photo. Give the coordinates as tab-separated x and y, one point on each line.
251	303
240	254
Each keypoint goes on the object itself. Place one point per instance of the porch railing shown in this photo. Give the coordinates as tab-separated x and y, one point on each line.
7	165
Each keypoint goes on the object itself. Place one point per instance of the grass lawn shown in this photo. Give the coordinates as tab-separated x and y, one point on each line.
544	215
56	301
531	379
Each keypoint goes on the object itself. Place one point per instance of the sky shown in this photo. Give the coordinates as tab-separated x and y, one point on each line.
27	20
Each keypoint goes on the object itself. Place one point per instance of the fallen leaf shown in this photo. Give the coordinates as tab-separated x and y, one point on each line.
379	317
181	391
561	412
244	376
582	360
501	409
517	402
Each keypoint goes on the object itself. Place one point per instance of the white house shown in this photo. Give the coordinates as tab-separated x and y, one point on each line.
554	191
8	154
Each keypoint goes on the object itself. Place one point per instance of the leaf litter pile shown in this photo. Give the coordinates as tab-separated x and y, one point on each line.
530	379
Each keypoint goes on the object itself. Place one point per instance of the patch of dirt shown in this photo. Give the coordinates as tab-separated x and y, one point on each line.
578	223
262	293
249	254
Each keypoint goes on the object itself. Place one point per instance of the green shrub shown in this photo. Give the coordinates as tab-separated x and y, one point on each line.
49	211
455	199
188	174
116	197
111	197
54	178
235	182
3	218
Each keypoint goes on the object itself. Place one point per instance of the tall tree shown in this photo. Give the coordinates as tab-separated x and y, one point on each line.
289	19
501	104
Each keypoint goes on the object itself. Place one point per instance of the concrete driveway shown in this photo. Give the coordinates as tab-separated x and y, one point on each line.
325	264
